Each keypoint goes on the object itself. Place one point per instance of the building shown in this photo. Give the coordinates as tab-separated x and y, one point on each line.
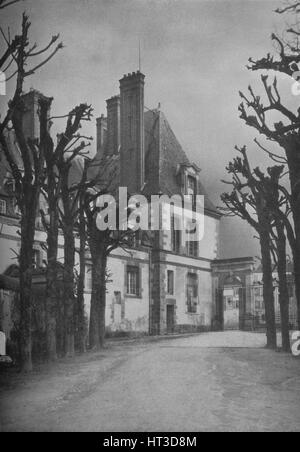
161	285
165	285
238	292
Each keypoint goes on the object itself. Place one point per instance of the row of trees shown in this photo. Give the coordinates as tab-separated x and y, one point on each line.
263	200
71	204
270	202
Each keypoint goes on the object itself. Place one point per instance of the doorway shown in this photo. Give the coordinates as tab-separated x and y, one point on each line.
170	318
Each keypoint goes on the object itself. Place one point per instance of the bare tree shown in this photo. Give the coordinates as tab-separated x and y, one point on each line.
29	179
278	207
101	244
82	233
286	132
69	212
247	201
58	161
255	193
50	219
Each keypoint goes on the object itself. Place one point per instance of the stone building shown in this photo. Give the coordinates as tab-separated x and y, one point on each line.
164	285
238	291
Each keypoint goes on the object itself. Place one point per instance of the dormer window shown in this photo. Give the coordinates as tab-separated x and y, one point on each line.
191	186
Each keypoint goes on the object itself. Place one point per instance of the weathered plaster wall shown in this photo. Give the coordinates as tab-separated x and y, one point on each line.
124	312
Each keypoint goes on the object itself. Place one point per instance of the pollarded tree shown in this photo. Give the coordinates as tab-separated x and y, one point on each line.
278	206
58	161
263	197
29	178
248	202
102	242
286	132
69	215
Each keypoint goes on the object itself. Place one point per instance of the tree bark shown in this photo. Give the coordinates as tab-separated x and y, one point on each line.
283	288
81	281
69	286
51	287
26	267
268	291
98	298
293	158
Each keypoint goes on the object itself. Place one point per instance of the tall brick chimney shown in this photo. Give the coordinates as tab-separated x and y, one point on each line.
113	125
31	121
132	132
101	135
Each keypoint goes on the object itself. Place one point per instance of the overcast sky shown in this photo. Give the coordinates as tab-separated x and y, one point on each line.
194	54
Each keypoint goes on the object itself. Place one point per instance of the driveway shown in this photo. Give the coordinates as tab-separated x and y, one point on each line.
209	382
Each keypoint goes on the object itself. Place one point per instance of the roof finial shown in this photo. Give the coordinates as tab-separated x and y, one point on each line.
140	57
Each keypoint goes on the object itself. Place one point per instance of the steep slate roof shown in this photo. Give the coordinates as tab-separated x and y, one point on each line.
164	154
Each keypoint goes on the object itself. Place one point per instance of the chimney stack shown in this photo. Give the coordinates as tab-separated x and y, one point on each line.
31	121
113	125
132	132
101	135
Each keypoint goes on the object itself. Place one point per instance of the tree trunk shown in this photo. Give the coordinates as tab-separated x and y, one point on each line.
102	304
81	285
97	314
69	286
283	288
268	291
293	158
51	288
26	258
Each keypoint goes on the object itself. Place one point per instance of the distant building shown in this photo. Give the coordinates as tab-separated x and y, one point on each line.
238	290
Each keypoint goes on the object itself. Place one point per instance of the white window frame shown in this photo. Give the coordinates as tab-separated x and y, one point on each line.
133	287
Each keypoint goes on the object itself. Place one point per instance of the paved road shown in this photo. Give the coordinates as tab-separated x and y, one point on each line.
210	382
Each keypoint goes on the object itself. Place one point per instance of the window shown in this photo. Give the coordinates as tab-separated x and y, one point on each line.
170	282
192	293
192	248
176	234
3	207
192	189
258	291
191	186
133	280
237	292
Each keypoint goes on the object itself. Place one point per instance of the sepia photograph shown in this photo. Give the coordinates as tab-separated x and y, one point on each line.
149	219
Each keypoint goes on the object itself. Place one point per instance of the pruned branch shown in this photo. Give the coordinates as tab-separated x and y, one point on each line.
290	8
6	3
